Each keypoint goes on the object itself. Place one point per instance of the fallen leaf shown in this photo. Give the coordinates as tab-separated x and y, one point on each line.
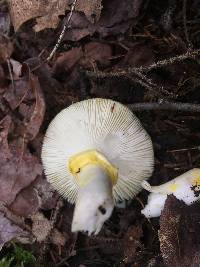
67	60
132	242
27	95
2	77
138	55
16	93
8	230
4	129
16	69
88	57
179	234
4	19
47	12
116	18
6	48
26	203
48	196
34	122
18	168
96	53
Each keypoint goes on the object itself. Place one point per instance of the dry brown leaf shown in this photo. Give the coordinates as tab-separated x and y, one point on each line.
18	168
27	95
132	242
96	52
14	95
67	60
26	203
47	12
6	48
4	19
2	77
138	55
8	230
92	54
48	196
179	234
116	18
34	122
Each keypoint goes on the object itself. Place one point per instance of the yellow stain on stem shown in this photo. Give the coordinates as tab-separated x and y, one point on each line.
173	187
78	161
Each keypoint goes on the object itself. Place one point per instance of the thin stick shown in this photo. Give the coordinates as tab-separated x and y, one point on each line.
172	60
159	64
10	73
66	26
185	24
172	106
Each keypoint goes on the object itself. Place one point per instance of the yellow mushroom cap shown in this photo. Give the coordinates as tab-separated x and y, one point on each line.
104	126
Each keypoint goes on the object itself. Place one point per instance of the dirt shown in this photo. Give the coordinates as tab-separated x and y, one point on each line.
108	50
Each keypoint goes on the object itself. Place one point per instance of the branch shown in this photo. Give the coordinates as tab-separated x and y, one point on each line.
66	26
159	64
171	106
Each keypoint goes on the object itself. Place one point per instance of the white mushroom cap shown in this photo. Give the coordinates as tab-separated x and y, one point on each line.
107	127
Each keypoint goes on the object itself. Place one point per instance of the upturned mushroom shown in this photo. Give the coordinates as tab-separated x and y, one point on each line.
185	187
95	153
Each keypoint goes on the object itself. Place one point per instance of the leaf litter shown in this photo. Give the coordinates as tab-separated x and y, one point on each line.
108	37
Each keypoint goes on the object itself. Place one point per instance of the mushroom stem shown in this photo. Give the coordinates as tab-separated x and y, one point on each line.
94	203
158	189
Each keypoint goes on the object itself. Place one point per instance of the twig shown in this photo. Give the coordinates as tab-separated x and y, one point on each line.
158	90
151	87
159	64
10	73
184	149
172	106
46	243
66	26
185	24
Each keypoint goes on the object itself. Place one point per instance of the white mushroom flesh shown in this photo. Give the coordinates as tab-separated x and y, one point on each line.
185	187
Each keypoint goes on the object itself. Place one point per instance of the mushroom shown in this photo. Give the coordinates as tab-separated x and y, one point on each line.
185	187
95	153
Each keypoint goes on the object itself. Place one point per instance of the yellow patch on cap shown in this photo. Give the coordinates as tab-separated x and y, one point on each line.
196	176
78	161
173	187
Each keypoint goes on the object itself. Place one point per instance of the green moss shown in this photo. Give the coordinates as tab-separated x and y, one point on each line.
19	257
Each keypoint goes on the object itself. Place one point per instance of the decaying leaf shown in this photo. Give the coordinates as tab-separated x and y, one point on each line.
8	230
6	48
34	122
179	234
4	19
132	242
116	18
47	12
15	95
86	57
48	196
26	203
18	168
67	60
27	95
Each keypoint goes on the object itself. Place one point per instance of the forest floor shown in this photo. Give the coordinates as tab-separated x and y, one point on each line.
108	51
